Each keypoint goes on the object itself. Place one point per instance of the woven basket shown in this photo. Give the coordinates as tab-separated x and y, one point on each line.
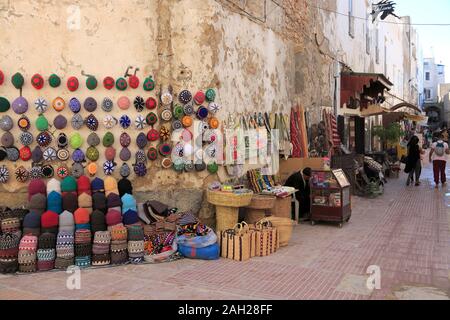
282	207
262	202
226	218
284	227
229	199
254	215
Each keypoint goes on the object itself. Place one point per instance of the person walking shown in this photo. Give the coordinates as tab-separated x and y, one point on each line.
413	161
438	156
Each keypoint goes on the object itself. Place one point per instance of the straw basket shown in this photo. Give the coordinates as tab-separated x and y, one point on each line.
282	207
227	204
259	208
284	226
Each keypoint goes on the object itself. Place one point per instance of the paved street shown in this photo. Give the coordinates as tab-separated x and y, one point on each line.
405	233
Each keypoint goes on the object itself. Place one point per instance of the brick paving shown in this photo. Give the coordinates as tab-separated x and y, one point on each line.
405	232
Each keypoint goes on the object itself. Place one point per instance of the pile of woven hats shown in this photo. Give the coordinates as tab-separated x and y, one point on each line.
98	195
98	221
125	187
65	252
136	246
82	219
112	194
66	222
9	251
69	194
84	193
32	224
28	253
83	247
37	196
46	253
54	196
129	210
100	248
119	246
50	222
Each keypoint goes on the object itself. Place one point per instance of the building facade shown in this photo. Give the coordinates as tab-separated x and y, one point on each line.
434	78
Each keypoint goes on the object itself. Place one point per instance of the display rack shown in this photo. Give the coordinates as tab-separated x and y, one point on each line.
330	196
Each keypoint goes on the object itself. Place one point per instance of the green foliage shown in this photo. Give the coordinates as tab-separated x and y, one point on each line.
391	134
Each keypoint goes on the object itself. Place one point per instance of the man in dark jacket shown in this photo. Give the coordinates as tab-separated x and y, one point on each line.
300	181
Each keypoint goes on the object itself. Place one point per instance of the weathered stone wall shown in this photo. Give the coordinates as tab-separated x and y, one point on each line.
192	44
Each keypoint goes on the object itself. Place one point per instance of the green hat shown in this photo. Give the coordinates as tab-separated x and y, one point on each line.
92	153
4	104
178	111
54	81
121	84
108	139
149	84
17	80
69	184
41	123
212	167
210	95
91	83
76	141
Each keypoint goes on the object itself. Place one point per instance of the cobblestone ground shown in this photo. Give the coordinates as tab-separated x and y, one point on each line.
405	232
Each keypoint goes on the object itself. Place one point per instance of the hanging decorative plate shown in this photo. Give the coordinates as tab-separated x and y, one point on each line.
108	83
177	125
41	105
62	140
178	150
50	154
178	165
210	95
153	135
186	135
63	154
210	136
187	121
140	122
185	96
189	166
202	113
141	157
72	84
211	151
166	98
140	169
92	122
188	109
133	81
165	149
152	154
22	174
26	138
166	163
164	133
151	103
25	153
125	139
37	81
214	107
24	123
4	174
149	84
151	118
36	173
121	84
78	156
90	104
199	98
48	171
139	103
166	115
62	172
77	121
74	105
178	111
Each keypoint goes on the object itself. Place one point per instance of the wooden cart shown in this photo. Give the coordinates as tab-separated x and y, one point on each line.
330	197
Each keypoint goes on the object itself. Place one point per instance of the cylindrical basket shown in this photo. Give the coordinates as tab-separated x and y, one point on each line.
254	215
282	207
284	226
229	199
262	202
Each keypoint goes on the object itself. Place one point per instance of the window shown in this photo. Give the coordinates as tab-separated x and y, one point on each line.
377	46
427	93
427	76
351	19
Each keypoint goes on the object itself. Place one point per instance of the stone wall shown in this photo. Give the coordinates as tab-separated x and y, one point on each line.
192	44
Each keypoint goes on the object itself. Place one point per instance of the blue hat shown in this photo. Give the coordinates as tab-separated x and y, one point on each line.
32	220
97	185
83	226
130	217
54	202
128	203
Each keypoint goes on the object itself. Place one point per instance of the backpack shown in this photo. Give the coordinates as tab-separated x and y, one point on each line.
440	149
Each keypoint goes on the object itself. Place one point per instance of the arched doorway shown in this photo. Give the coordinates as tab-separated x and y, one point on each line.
434	117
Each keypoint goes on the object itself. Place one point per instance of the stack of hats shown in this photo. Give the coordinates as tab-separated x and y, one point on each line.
136	244
81	217
50	222
11	224
100	248
36	187
27	253
97	185
113	217
98	221
66	222
65	252
113	202
32	224
46	254
38	203
98	195
69	194
54	196
129	210
83	248
119	246
84	193
111	186
9	251
125	186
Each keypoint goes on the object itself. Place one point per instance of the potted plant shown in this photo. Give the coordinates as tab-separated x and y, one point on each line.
388	135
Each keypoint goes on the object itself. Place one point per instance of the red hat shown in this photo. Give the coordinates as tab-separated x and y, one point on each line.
49	219
153	135
35	187
25	153
113	217
2	77
133	81
151	103
83	185
81	216
72	83
108	83
110	153
37	81
199	97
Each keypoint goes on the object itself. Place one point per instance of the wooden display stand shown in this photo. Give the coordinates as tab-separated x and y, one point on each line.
330	197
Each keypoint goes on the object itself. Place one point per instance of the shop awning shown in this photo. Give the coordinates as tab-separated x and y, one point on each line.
415	117
359	90
374	110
